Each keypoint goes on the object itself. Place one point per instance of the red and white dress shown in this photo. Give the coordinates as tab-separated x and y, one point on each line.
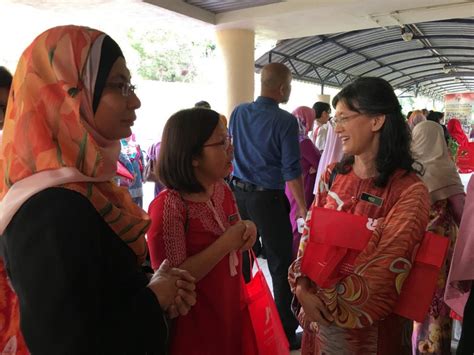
180	229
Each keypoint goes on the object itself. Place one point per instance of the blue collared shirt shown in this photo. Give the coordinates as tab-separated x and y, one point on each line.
266	146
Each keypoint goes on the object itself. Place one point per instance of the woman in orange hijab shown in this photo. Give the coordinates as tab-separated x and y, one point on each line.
73	241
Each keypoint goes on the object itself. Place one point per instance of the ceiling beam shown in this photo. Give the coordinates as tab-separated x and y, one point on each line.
185	9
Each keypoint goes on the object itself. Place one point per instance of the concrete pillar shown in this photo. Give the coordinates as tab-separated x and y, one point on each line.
236	47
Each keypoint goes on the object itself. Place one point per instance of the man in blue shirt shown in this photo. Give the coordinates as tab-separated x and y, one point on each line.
266	157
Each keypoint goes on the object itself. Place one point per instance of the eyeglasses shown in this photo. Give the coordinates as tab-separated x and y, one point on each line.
225	143
342	120
127	88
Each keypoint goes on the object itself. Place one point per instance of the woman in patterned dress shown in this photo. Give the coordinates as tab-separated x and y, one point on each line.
355	316
433	335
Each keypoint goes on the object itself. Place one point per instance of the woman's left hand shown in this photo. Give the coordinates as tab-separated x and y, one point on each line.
249	236
315	309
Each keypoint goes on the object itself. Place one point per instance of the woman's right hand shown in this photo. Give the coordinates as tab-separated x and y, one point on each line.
174	289
315	309
232	237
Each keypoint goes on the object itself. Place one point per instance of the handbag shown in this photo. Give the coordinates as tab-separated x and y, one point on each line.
264	318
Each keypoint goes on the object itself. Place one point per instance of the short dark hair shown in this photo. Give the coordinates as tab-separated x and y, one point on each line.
182	141
5	78
375	96
202	104
320	107
435	116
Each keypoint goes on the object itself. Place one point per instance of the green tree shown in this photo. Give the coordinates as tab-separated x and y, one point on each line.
169	56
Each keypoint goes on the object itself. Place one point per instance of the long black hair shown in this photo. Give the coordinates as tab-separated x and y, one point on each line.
375	96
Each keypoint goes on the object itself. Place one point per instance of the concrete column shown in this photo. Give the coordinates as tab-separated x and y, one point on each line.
236	47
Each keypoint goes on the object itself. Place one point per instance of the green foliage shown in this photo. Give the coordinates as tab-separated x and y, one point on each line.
169	56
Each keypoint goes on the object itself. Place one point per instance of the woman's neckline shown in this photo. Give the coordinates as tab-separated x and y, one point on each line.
199	199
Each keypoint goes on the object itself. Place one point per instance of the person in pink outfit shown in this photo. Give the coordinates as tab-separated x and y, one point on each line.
459	294
310	156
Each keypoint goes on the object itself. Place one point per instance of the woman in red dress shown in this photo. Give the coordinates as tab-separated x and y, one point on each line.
196	225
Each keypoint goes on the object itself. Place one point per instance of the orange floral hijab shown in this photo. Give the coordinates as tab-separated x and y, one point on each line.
49	137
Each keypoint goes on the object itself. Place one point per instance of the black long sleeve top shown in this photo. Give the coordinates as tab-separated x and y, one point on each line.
79	285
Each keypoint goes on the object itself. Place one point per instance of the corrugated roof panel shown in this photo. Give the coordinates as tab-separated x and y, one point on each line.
322	53
369	36
366	52
380	71
448	52
379	50
392	76
453	27
218	6
414	61
346	61
436	66
361	69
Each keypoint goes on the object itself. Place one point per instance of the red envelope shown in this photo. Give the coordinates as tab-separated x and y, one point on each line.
337	238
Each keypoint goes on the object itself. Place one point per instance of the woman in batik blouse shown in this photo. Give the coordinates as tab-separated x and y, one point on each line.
356	315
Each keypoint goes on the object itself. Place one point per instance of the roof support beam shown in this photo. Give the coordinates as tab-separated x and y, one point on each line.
185	9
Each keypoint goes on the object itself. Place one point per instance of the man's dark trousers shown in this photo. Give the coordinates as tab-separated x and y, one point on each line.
269	210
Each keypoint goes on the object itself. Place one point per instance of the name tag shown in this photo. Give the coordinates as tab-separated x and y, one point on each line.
371	199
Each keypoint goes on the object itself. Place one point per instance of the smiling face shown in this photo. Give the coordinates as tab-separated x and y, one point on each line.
215	160
115	114
358	132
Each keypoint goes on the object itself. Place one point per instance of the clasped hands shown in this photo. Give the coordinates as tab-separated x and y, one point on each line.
314	307
174	288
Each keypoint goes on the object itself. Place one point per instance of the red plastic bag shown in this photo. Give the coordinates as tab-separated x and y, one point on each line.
123	172
337	238
420	285
465	158
335	241
265	320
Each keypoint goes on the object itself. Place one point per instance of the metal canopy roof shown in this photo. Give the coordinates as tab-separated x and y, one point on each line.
218	6
438	59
